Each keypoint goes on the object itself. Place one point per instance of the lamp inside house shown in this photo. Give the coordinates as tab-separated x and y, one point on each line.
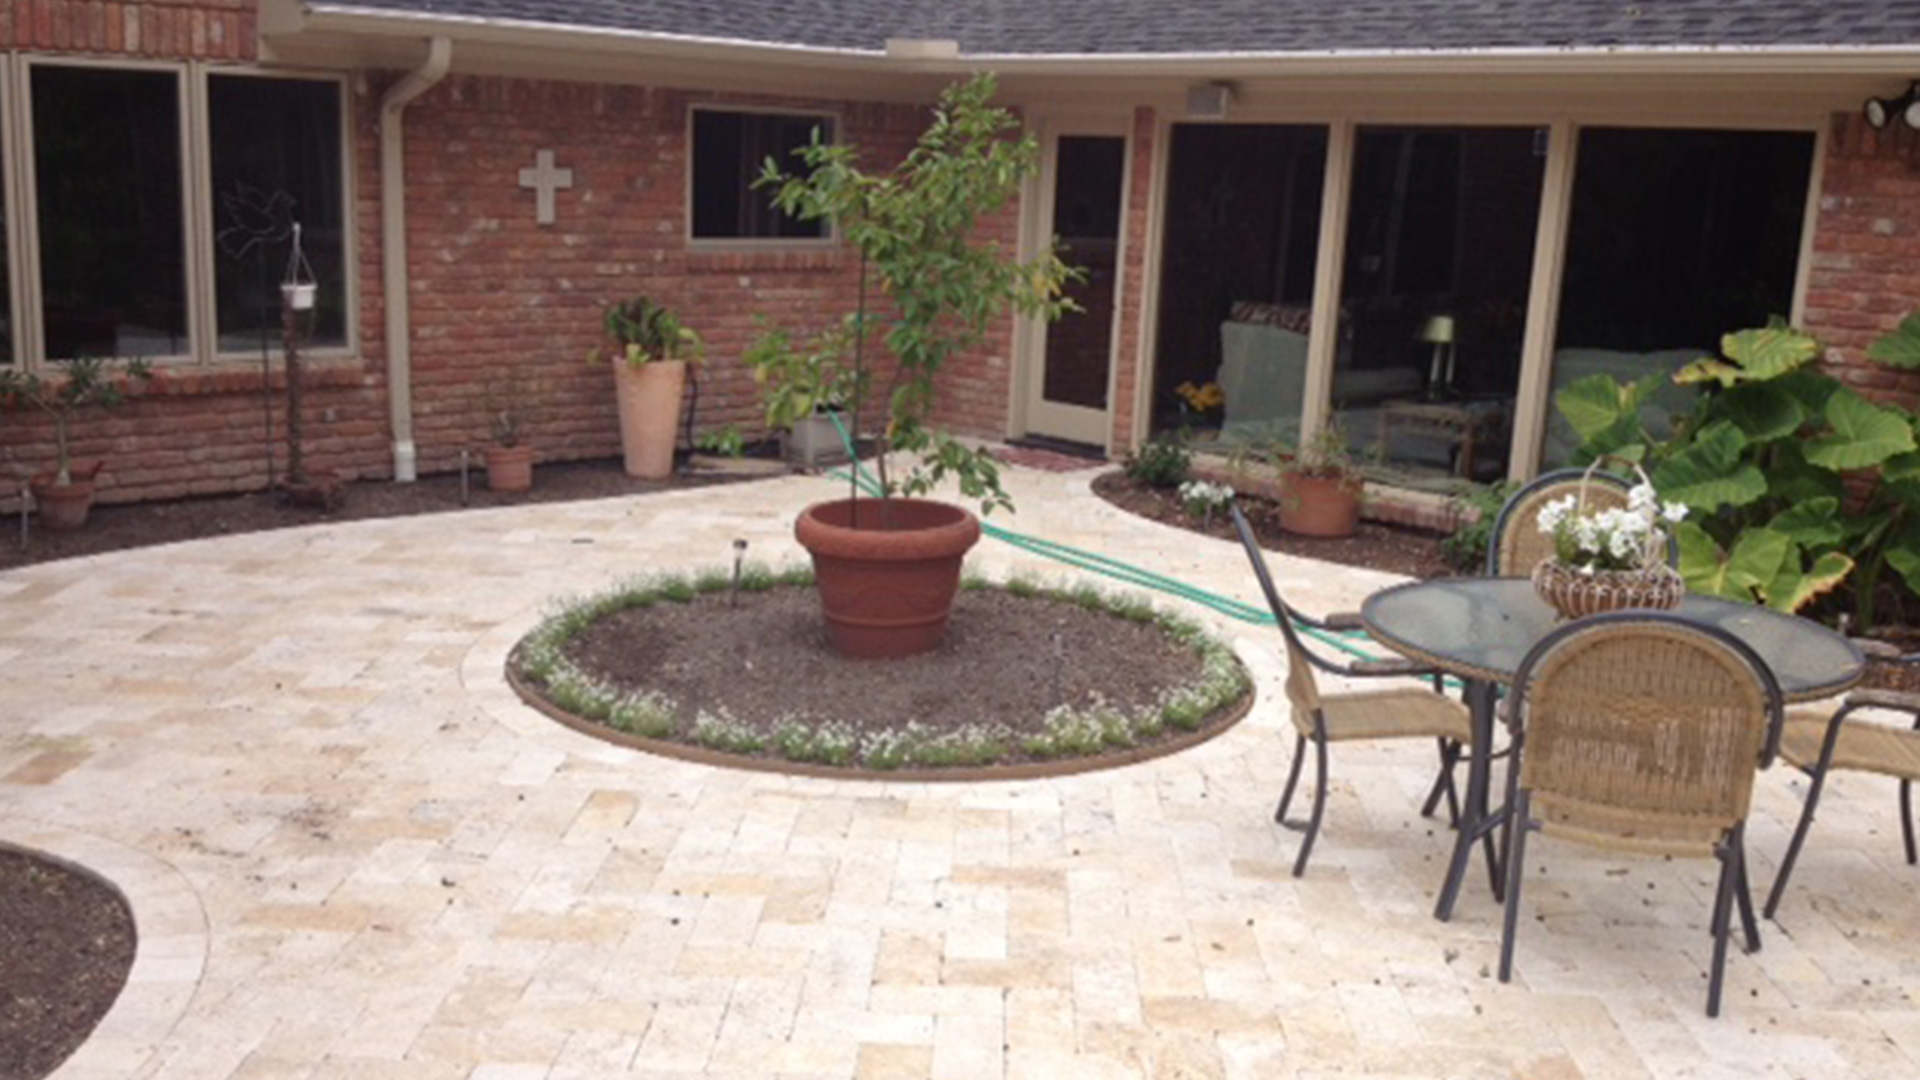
1438	332
1882	111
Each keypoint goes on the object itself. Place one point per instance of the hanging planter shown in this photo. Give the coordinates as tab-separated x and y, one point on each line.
299	297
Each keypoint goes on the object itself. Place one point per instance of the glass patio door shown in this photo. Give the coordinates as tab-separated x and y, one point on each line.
1067	387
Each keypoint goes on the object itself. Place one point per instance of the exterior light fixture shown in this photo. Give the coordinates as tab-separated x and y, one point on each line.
1882	111
1209	101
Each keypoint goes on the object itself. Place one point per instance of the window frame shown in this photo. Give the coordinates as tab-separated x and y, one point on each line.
191	80
825	242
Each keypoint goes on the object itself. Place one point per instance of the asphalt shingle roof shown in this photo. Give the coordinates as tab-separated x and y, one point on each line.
1115	27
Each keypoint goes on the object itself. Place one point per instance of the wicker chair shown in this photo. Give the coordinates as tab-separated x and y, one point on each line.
1399	713
1818	744
1516	542
1642	732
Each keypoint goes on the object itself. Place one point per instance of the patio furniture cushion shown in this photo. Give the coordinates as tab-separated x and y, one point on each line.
1390	714
1863	746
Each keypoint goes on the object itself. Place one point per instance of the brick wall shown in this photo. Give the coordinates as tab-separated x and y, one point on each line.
181	29
503	304
1865	272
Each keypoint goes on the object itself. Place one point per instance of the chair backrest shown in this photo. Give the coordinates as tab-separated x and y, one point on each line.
1303	692
1643	730
1516	542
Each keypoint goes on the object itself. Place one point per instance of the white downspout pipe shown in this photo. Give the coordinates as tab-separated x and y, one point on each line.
393	250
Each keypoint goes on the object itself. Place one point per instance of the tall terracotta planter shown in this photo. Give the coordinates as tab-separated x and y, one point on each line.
1326	506
649	403
887	570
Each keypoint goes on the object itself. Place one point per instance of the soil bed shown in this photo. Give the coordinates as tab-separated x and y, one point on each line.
1005	664
66	945
1414	553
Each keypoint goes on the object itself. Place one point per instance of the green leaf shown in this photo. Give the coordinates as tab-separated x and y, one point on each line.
1709	473
1707	369
1756	560
1863	434
1792	479
1901	348
1770	352
1593	404
1812	524
1793	588
1903	553
1763	411
1900	467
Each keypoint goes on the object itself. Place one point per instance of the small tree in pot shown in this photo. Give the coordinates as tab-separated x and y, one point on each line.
941	288
64	493
1320	490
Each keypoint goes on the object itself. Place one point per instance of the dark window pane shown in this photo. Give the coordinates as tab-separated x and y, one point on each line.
1086	218
112	246
1675	238
728	151
275	160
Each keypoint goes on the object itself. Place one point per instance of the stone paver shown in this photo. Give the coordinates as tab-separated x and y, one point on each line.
352	853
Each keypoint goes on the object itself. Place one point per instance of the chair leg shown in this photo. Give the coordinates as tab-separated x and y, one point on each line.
1293	778
1519	817
1793	846
1743	892
1721	922
1443	784
1906	819
1319	806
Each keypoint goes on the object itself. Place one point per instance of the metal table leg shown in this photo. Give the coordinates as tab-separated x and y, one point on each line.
1477	821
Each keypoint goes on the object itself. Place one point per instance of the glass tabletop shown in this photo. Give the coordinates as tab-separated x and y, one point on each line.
1483	627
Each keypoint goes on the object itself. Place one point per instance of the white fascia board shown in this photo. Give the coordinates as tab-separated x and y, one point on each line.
1571	60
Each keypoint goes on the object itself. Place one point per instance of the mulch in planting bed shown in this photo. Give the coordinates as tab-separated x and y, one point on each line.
1414	553
116	527
66	945
1005	662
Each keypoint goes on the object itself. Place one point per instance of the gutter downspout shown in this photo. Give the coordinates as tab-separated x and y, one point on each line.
393	250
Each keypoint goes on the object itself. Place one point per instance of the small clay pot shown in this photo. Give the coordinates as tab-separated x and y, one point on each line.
64	507
509	468
1325	506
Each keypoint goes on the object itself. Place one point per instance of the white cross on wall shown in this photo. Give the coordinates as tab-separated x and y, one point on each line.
544	179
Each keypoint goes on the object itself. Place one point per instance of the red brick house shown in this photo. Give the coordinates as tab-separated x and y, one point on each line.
1336	210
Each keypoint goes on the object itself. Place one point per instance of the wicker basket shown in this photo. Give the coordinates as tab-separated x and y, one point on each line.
1575	594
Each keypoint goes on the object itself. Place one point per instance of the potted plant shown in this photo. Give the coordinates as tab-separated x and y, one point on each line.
888	568
64	494
650	349
1320	488
1612	558
509	458
805	392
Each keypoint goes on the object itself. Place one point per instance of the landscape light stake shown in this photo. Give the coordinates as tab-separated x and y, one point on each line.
739	557
25	503
463	477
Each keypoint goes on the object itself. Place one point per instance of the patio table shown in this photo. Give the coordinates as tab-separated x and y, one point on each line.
1479	629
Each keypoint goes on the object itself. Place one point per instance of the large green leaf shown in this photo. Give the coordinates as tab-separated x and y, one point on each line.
1903	553
1598	402
1770	352
1812	524
1901	348
1757	558
1863	435
1793	587
1900	467
1709	473
1792	479
1763	411
1708	369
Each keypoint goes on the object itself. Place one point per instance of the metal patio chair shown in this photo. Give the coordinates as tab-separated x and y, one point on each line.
1398	713
1817	744
1640	731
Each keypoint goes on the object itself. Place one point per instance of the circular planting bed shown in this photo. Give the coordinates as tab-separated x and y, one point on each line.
66	946
1030	681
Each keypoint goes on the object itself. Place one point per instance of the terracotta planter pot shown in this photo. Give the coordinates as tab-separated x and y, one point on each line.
509	468
649	402
1319	505
887	569
64	507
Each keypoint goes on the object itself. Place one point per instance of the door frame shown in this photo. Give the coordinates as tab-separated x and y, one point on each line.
1032	414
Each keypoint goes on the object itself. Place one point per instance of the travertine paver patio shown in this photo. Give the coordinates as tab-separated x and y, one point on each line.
352	853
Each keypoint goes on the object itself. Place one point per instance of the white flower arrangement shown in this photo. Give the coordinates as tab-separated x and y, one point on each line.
1633	537
1201	498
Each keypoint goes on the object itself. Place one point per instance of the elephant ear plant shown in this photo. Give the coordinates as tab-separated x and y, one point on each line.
930	287
1797	486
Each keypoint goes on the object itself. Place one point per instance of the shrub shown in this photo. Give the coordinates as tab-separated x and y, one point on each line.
1162	463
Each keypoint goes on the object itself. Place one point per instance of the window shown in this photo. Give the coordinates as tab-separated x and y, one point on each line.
106	150
146	249
275	151
729	150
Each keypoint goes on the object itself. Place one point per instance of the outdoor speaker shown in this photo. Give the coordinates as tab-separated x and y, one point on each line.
1209	101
